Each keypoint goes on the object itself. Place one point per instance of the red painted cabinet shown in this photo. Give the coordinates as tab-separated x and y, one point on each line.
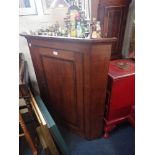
120	95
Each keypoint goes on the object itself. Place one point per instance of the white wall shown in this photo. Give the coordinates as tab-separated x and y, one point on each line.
32	22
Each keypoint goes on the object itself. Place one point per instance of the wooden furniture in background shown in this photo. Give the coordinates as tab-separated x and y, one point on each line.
47	140
23	77
27	135
24	106
39	126
132	43
30	114
53	129
113	15
120	95
72	78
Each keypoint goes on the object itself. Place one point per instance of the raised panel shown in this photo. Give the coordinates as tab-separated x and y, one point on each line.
60	76
114	16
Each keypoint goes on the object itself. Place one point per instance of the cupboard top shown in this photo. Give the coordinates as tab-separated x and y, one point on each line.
70	39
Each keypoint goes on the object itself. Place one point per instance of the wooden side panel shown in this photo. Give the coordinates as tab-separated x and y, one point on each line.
99	58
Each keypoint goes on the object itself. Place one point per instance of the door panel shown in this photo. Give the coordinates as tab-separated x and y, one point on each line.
62	73
60	77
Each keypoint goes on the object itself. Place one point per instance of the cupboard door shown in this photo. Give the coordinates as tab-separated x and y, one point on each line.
114	26
61	73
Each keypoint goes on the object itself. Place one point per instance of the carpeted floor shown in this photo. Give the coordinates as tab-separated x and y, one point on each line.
121	142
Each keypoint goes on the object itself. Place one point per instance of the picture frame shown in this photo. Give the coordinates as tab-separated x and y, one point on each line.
47	5
27	7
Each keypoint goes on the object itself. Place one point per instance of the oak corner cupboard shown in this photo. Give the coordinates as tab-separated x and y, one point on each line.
72	77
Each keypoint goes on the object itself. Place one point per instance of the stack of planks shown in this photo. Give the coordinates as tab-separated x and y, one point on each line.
48	133
46	129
